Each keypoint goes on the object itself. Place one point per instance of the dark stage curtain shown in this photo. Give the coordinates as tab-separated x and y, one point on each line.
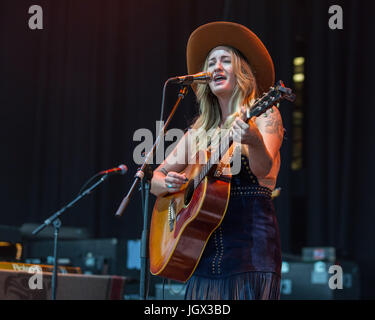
73	94
340	141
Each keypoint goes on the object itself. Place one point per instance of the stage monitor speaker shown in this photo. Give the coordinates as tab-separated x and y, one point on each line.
311	281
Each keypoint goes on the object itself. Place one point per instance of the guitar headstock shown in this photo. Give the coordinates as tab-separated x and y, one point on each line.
270	98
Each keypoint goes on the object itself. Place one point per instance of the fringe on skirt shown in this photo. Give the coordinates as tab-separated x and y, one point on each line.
244	286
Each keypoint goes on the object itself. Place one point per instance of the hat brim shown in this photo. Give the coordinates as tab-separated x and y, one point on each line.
222	33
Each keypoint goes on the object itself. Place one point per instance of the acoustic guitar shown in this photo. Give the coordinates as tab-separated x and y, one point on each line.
182	222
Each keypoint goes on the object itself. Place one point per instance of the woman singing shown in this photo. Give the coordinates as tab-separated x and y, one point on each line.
242	258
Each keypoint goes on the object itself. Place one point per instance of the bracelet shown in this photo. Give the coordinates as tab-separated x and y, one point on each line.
164	171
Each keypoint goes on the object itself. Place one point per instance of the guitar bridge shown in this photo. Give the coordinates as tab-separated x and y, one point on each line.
172	214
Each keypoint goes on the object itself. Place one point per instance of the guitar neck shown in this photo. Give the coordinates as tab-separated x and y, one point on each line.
214	159
225	143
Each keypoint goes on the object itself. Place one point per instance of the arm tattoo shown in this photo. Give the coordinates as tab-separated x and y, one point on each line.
273	124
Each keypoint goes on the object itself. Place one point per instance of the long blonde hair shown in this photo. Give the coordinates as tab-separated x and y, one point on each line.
245	92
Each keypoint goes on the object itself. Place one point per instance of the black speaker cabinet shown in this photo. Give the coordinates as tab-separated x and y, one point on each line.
93	256
313	281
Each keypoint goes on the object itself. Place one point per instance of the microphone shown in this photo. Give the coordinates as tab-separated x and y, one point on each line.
121	169
201	77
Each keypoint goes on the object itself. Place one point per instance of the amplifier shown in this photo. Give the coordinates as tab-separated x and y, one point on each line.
314	281
68	233
18	285
16	266
93	256
10	243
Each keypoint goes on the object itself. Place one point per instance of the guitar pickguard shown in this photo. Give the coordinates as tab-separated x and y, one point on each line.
172	214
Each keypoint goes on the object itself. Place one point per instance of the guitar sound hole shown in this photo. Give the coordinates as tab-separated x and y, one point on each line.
189	191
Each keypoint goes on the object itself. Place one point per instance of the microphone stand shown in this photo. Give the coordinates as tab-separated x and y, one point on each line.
141	173
144	280
54	219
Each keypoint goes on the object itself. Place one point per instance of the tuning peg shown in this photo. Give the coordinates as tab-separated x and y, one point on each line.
291	97
278	105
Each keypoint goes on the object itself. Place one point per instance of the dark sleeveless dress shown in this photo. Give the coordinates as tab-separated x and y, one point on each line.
242	258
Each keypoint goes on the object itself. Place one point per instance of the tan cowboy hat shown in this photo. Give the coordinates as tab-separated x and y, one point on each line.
222	33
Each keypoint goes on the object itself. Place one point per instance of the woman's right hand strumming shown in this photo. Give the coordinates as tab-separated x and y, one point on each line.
167	183
166	178
174	181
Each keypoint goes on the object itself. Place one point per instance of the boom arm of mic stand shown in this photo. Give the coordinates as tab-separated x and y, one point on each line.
140	173
52	218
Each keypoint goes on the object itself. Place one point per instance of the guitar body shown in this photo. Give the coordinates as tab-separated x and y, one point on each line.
182	223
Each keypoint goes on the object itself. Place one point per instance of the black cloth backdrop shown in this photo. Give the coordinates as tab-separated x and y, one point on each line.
340	140
73	94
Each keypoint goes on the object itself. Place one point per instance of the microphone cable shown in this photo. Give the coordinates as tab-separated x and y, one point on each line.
85	185
102	174
163	99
